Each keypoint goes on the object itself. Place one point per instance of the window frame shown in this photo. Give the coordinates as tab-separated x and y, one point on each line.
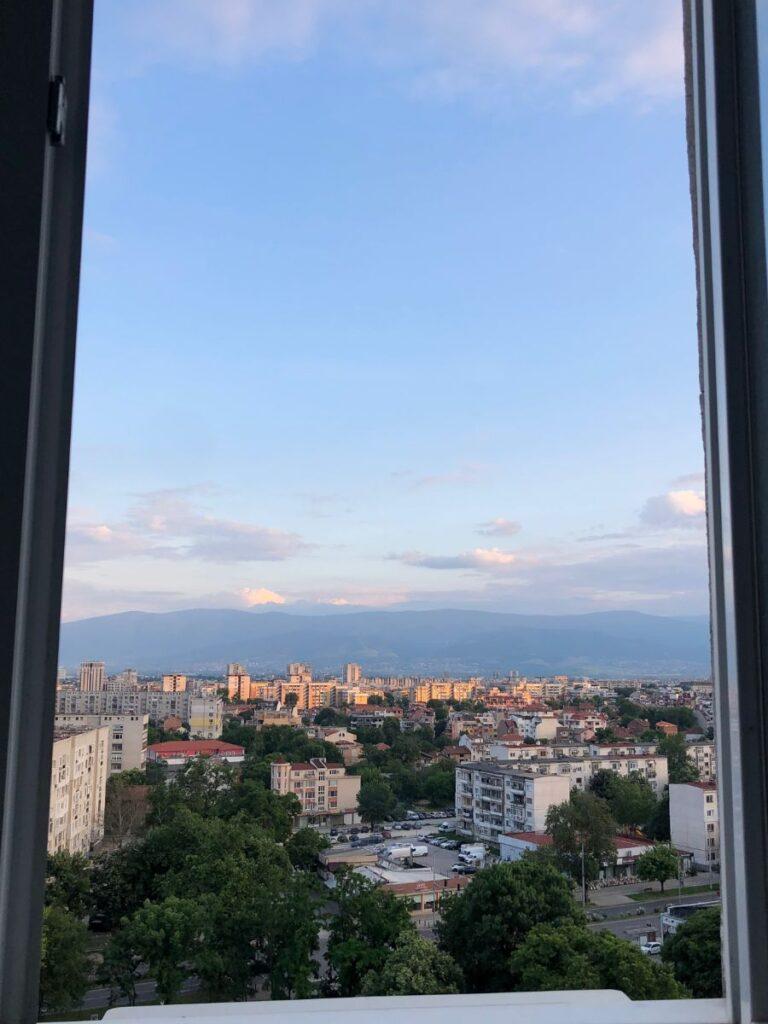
41	187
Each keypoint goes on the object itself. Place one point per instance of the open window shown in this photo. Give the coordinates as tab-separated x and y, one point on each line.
502	802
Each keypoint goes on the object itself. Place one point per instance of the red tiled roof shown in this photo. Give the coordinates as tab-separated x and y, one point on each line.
192	747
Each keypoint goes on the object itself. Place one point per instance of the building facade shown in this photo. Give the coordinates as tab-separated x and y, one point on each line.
174	683
92	676
328	796
127	737
79	772
158	706
694	822
492	798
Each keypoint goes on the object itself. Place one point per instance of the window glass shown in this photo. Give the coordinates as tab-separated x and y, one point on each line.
387	479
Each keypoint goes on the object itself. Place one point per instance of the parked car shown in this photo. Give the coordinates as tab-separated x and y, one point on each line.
450	844
341	837
445	827
333	832
650	948
464	869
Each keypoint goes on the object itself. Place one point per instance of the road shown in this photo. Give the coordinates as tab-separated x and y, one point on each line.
645	916
98	998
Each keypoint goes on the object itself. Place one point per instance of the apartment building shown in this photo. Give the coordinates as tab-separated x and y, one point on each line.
536	724
492	798
374	717
157	705
238	683
92	676
127	737
79	771
704	756
442	689
351	674
328	796
694	821
206	718
579	770
174	684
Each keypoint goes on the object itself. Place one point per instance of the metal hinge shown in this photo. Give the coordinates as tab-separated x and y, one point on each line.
57	110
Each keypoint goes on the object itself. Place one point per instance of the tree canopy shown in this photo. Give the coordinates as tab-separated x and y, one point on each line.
586	819
64	964
658	864
414	966
570	956
681	767
482	925
694	954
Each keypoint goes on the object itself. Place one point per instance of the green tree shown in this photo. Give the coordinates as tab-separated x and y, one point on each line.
681	767
329	716
303	848
569	956
414	967
584	819
121	968
631	800
163	936
367	927
64	964
482	925
68	882
125	807
657	827
657	864
375	801
694	953
390	729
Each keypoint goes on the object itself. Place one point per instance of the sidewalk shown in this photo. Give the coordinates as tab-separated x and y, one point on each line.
617	895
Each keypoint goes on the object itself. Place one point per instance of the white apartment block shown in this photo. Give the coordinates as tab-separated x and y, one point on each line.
127	737
206	718
328	796
704	757
92	676
158	706
579	770
79	772
536	725
492	798
694	821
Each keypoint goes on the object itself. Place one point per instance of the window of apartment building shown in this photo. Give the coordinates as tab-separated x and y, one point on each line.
337	275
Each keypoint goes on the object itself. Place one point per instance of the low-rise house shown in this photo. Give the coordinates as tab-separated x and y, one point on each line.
177	753
513	845
666	728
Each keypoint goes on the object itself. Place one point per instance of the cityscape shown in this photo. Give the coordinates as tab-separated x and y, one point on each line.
239	836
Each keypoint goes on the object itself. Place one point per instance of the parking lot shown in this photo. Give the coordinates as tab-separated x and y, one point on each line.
439	860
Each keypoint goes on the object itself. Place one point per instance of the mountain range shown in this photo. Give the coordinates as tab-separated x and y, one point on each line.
462	643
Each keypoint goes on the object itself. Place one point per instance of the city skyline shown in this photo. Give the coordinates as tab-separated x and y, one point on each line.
406	318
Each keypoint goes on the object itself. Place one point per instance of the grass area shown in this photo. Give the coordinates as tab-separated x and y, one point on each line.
687	890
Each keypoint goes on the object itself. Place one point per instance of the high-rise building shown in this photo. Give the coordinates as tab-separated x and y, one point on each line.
694	821
128	678
78	788
174	684
127	737
352	674
238	683
92	676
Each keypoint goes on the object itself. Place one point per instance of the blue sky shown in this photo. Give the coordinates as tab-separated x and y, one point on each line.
387	303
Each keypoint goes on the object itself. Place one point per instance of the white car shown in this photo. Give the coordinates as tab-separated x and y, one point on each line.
650	948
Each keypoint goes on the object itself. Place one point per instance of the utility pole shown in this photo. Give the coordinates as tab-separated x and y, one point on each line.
583	874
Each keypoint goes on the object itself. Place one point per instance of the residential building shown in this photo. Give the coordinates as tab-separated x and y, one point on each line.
328	796
704	756
492	798
127	737
174	684
536	724
154	703
694	821
92	676
127	679
206	718
442	689
666	728
374	717
331	733
238	683
79	772
177	753
351	674
579	770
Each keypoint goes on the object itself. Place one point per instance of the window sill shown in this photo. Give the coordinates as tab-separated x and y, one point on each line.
592	1007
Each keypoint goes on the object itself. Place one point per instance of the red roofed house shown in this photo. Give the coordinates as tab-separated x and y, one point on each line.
666	728
328	796
514	844
177	753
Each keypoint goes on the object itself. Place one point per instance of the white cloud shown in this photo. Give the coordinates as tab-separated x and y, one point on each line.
596	51
499	528
682	508
167	524
480	559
